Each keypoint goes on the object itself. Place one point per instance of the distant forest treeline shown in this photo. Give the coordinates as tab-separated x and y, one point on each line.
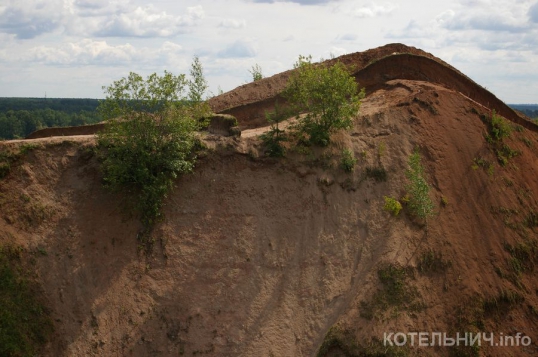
21	116
530	110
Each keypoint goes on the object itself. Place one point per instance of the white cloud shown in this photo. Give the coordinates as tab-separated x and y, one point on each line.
485	22
301	2
239	49
233	24
335	52
29	19
374	10
148	22
100	53
348	37
83	53
533	13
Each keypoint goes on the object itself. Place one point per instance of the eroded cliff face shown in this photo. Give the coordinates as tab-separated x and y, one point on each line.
261	257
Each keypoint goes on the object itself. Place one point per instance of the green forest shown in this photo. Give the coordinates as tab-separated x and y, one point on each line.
21	116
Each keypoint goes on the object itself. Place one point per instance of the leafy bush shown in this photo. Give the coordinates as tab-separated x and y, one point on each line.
328	94
256	72
197	83
500	129
420	203
275	136
392	205
348	160
149	138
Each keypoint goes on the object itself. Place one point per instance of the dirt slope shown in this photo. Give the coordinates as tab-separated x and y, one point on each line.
264	257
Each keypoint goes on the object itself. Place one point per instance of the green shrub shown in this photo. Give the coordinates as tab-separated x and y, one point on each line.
328	94
420	203
256	72
500	128
348	160
392	205
149	138
275	136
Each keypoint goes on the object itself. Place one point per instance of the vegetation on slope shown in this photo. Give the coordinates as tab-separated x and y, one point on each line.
328	94
24	323
150	137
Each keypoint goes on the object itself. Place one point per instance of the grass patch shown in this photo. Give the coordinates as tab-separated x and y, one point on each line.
395	295
523	259
340	342
420	204
8	158
379	174
432	261
504	301
505	153
25	324
348	161
486	165
472	314
499	128
527	142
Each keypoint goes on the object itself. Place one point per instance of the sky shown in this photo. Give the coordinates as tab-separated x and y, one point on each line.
72	48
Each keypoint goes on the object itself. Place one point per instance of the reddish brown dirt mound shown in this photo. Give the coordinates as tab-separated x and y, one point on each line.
265	257
258	257
372	68
66	131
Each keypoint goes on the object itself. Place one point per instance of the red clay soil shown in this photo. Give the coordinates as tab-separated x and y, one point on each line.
264	257
372	69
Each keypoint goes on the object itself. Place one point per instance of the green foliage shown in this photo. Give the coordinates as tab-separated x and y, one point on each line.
378	173
21	123
149	139
381	150
431	261
256	72
21	116
396	294
274	138
420	203
505	153
484	164
500	128
25	325
197	83
348	160
9	157
328	94
392	205
343	340
505	300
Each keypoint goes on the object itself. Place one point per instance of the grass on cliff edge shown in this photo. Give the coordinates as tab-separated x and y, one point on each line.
24	322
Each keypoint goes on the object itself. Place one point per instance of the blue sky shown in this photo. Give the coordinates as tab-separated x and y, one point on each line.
71	48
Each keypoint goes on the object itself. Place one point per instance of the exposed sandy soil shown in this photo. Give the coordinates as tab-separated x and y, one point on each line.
261	257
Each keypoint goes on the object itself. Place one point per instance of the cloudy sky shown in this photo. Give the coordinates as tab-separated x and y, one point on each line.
71	48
